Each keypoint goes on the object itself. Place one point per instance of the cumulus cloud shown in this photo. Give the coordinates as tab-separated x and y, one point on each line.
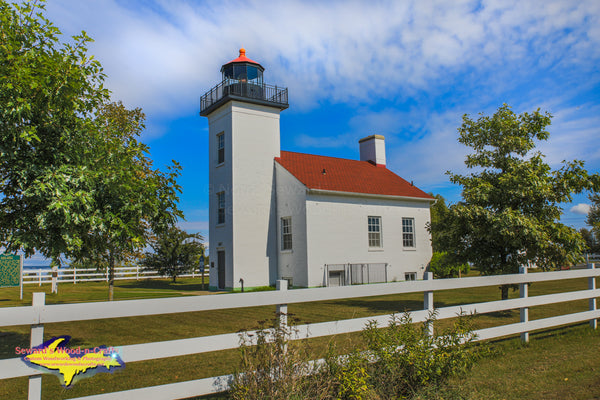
428	61
580	208
162	54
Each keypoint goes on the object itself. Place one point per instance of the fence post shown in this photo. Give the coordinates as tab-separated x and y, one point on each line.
137	272
592	286
428	300
74	276
37	338
40	277
282	309
524	311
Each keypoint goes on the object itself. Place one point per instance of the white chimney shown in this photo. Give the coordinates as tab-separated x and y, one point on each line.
372	149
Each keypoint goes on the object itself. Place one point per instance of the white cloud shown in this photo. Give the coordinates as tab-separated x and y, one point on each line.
573	134
580	208
161	55
426	159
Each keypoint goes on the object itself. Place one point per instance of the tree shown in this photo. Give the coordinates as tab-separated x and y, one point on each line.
510	212
444	266
591	243
593	219
440	224
75	181
130	198
48	93
175	252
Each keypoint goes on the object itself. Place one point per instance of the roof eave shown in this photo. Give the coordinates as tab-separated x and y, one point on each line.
369	195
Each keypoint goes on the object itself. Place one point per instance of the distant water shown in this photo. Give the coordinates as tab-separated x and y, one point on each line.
39	266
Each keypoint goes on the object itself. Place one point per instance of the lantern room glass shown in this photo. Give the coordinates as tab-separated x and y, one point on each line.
243	72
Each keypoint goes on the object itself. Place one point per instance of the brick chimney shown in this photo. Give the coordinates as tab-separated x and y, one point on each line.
372	149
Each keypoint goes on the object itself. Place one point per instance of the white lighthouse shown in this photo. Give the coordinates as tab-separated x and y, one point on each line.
243	119
308	219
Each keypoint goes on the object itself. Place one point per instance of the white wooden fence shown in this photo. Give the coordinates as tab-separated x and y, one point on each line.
39	314
74	275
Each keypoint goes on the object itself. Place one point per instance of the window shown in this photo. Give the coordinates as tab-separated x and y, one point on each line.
286	233
410	276
220	148
289	280
221	208
408	232
374	231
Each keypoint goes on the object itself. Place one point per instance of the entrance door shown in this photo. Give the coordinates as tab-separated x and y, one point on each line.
221	268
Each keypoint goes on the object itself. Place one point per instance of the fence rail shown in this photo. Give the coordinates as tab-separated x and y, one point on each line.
74	275
39	314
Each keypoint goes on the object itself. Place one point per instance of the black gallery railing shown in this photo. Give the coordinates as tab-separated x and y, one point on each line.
268	93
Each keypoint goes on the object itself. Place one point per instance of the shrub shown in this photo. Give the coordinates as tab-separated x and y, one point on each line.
272	366
402	360
407	358
348	377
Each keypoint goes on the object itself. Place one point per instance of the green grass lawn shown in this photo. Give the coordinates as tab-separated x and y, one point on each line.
548	353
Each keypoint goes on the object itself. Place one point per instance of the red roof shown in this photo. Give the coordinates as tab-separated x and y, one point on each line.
342	175
242	58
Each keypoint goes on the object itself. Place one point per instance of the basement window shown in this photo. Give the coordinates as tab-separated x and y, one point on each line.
410	276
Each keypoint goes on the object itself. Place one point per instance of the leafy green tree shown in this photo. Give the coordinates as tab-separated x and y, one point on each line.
175	252
510	212
439	224
75	181
591	243
444	266
593	219
48	93
131	198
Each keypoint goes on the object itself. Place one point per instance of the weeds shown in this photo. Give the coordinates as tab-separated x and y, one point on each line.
272	365
403	360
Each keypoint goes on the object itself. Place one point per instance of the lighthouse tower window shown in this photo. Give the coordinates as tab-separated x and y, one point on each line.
220	148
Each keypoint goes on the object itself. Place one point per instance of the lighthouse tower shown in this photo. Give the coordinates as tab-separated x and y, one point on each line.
243	129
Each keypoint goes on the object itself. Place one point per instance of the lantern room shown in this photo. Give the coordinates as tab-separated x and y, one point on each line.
242	80
243	69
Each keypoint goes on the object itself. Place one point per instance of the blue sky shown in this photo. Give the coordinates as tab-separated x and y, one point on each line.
407	70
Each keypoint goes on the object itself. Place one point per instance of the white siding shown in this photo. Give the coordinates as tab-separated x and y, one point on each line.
291	202
337	233
255	144
220	237
247	176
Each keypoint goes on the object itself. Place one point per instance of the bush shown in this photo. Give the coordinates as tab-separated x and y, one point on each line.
348	377
402	360
407	358
272	366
